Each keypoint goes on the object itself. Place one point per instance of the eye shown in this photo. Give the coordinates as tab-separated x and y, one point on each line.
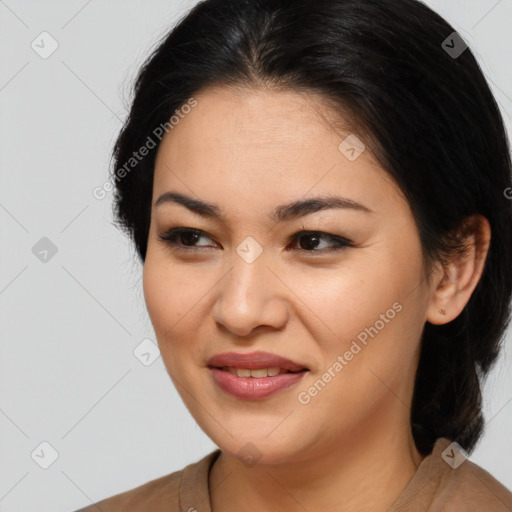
186	239
183	238
310	241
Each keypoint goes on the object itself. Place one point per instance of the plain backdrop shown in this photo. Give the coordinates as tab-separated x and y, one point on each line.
74	396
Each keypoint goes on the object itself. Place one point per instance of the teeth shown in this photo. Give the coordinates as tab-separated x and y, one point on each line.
272	372
257	374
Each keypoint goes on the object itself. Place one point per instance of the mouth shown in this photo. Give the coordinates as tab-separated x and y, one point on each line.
254	375
247	384
255	363
258	373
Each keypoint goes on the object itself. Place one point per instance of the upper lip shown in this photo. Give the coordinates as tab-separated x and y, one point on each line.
254	361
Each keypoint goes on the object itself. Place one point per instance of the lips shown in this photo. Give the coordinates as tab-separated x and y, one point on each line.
254	361
256	375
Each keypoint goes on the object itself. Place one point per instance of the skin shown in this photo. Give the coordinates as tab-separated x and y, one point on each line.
351	447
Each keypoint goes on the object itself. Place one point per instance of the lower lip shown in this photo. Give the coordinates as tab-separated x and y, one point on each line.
250	388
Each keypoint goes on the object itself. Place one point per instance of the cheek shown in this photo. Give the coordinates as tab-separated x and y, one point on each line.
349	299
166	309
164	297
155	293
379	334
176	300
372	312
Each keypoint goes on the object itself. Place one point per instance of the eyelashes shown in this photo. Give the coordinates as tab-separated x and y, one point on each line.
183	239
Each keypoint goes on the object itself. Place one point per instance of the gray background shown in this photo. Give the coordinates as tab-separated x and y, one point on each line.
69	325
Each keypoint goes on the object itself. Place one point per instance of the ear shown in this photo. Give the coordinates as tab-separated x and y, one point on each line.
454	284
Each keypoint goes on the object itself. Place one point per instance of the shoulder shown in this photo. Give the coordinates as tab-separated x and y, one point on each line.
448	481
161	490
470	487
161	494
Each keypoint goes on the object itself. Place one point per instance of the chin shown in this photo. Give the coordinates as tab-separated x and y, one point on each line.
257	447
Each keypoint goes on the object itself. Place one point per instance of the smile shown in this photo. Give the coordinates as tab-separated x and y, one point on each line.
254	384
256	374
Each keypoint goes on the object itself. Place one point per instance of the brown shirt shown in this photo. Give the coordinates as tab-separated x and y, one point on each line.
437	486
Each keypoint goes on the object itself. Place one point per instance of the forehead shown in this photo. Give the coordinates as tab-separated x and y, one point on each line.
238	118
257	144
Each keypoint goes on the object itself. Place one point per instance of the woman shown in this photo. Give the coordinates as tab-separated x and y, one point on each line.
317	192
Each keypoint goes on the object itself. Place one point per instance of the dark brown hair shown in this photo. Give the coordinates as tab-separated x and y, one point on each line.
427	114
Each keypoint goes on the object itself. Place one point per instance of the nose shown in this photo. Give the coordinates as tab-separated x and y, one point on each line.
249	297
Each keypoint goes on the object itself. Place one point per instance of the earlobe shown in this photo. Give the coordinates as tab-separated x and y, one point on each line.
461	275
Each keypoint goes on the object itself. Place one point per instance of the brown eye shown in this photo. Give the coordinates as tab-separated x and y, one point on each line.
309	241
184	238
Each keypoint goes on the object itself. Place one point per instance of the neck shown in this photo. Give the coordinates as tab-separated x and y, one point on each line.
366	473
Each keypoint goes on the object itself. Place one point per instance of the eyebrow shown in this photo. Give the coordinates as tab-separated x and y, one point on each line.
281	213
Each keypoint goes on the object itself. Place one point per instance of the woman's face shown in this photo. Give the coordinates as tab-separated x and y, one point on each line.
351	314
